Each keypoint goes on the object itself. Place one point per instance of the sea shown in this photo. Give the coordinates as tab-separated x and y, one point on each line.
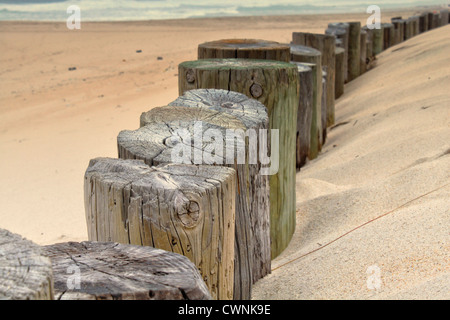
134	10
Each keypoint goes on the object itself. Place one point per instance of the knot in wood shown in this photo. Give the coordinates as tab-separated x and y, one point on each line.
172	141
190	76
189	214
228	105
256	90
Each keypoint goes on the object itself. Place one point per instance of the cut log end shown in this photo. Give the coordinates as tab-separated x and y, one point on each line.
112	271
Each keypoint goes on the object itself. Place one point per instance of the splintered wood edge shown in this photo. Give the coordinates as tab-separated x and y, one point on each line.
174	113
25	273
110	270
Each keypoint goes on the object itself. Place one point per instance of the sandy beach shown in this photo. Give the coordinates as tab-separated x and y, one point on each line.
377	196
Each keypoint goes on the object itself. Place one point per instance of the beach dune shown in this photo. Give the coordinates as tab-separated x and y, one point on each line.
373	209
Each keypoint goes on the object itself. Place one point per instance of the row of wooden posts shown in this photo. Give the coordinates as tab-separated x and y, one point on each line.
217	221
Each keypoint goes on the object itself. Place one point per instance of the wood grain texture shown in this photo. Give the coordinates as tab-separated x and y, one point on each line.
310	55
305	112
275	85
253	115
243	49
325	44
113	271
25	273
180	208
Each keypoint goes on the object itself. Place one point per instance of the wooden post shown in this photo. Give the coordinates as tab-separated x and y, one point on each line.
310	55
363	52
180	208
388	35
436	20
324	100
354	50
340	72
423	22
113	271
305	112
341	31
444	18
416	25
275	85
377	41
369	55
244	49
399	24
325	44
433	20
25	272
215	105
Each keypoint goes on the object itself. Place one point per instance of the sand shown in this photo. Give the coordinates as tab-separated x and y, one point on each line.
392	149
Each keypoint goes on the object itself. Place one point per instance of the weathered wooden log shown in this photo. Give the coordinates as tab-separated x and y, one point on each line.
363	52
416	25
436	19
423	22
354	50
341	71
181	208
377	41
408	29
341	31
252	232
112	271
433	20
275	85
369	53
388	35
324	103
444	17
253	115
244	49
314	57
324	99
25	272
325	44
399	24
305	112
